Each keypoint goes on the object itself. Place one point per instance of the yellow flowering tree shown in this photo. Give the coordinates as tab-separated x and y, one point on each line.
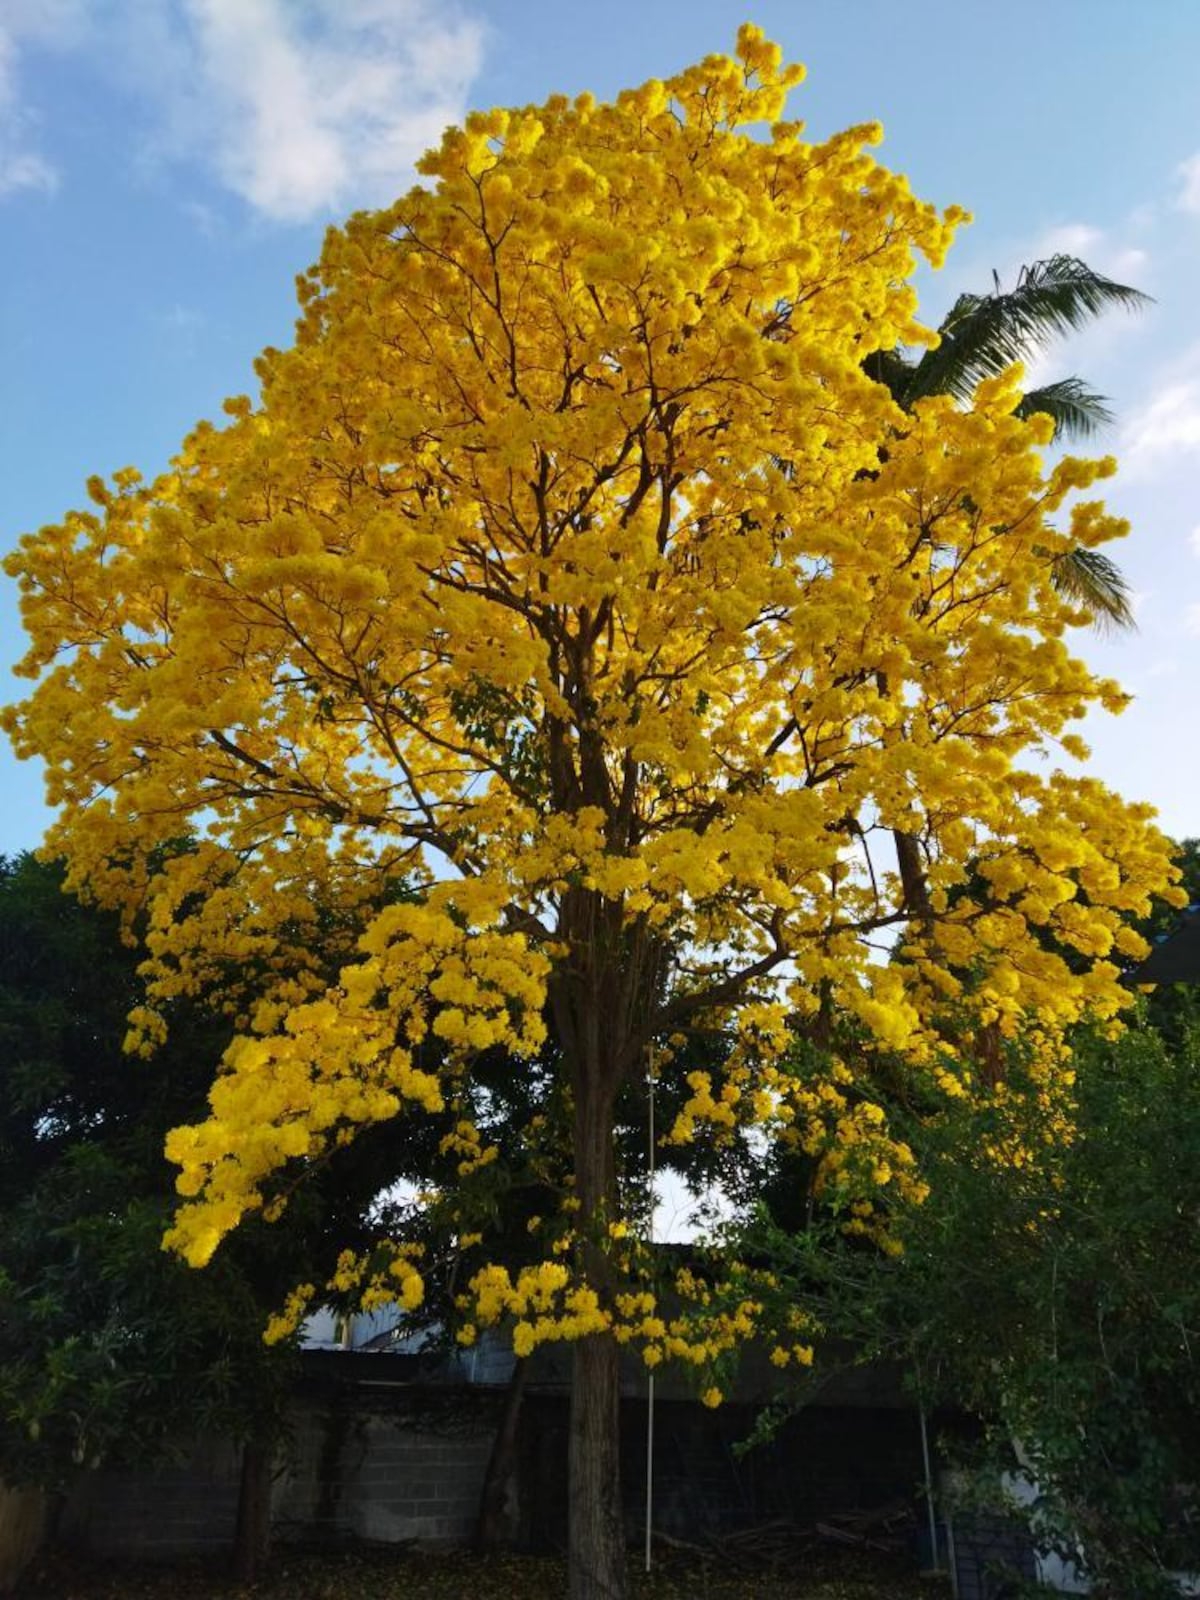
572	571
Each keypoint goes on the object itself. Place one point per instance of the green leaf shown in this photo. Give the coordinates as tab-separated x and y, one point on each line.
1077	411
1095	582
984	334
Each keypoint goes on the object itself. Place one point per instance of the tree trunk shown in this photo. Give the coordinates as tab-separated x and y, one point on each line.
22	1531
595	1533
912	876
908	855
494	1531
252	1539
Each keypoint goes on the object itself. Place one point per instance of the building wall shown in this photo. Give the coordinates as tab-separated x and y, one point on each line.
395	1476
157	1513
389	1466
824	1461
370	1456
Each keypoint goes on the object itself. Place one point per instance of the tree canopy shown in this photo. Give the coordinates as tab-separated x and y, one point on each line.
1047	1285
981	336
576	615
109	1349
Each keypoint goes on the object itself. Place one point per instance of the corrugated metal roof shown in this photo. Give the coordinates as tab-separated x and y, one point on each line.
1176	959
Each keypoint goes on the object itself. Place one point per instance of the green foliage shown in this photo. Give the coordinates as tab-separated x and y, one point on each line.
1076	411
110	1348
1174	1008
107	1347
1049	1284
985	333
1096	582
982	335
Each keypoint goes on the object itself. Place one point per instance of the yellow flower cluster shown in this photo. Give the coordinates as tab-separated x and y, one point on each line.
295	1308
820	1112
335	1064
696	1321
571	627
465	1141
542	1299
385	1277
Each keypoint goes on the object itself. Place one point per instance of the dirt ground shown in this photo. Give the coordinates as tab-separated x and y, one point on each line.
409	1575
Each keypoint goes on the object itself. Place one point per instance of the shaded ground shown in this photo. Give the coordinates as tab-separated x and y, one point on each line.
403	1575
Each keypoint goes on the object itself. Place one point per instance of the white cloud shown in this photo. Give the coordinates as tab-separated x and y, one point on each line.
305	110
47	24
1191	621
1042	367
22	166
1188	198
1130	263
1167	428
1107	250
1163	667
1070	239
301	110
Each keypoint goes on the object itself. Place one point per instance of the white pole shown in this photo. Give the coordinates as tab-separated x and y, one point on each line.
649	1468
933	1538
650	1379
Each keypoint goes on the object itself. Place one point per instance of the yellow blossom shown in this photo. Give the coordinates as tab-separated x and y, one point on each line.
572	628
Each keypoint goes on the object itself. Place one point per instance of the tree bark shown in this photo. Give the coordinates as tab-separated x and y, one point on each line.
912	876
596	1534
23	1528
252	1538
908	854
493	1531
595	1531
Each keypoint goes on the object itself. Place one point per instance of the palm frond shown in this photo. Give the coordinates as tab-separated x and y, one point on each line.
892	368
983	334
1077	411
1095	582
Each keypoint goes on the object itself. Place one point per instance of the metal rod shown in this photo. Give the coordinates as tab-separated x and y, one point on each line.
933	1538
650	1380
649	1471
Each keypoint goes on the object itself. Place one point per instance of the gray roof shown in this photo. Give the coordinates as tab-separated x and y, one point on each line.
1175	959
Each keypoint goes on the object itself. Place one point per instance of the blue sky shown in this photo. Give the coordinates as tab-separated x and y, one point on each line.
167	166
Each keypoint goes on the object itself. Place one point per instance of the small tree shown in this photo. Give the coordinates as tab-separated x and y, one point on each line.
111	1351
1048	1285
572	566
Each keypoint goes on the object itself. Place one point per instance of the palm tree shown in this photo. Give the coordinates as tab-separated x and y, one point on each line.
983	334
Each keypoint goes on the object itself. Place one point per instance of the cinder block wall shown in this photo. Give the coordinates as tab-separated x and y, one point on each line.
375	1455
157	1513
387	1467
355	1475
